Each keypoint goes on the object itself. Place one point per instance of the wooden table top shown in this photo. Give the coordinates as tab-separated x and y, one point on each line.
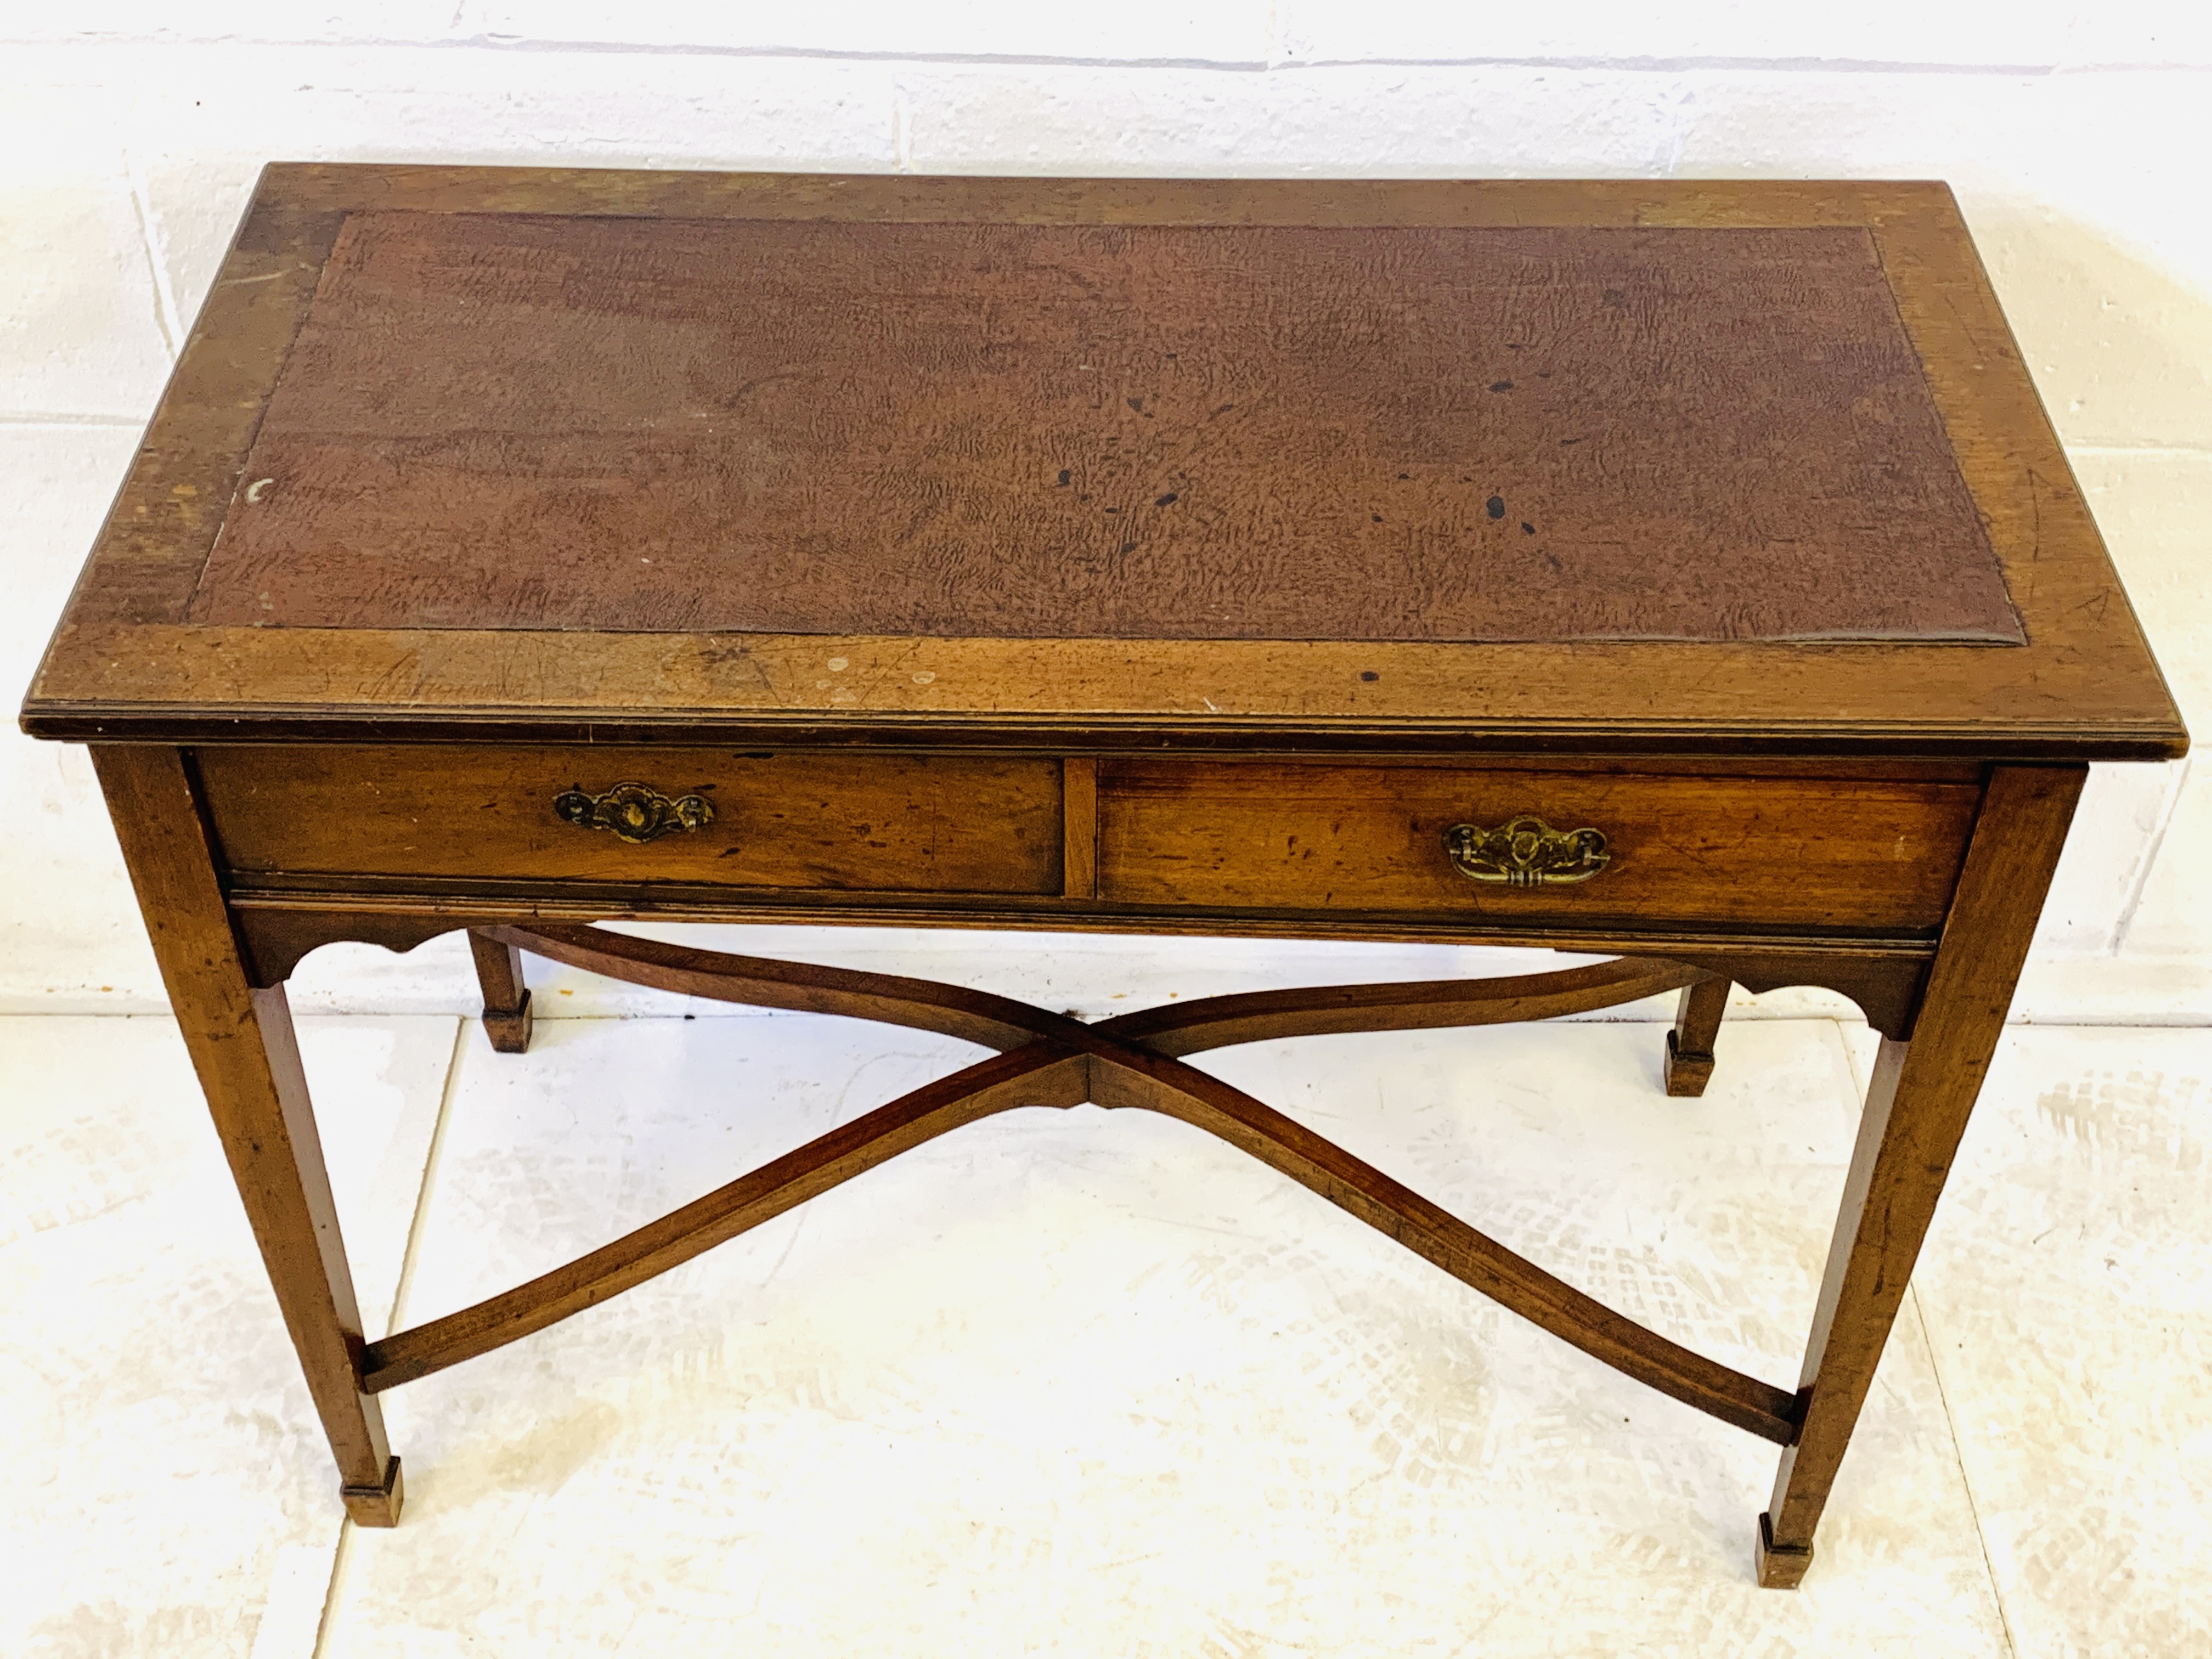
1506	467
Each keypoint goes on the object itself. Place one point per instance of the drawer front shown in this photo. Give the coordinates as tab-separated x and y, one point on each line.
1856	854
922	823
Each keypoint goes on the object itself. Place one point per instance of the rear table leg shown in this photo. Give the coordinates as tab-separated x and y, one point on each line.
1690	1044
505	999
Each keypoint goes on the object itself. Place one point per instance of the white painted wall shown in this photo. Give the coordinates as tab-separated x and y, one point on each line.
2076	135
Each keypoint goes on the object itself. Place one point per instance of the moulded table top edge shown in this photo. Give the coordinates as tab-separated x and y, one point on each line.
1099	734
730	686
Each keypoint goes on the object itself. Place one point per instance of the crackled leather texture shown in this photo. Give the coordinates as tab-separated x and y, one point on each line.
1231	432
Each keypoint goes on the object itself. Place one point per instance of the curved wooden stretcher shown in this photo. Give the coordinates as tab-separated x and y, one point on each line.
1136	1060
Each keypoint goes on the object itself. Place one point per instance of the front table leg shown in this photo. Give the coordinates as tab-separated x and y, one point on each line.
242	1046
1916	1111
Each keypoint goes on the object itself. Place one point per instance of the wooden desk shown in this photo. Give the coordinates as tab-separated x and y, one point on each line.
1682	571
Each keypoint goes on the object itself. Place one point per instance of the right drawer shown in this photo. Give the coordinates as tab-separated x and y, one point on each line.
1856	854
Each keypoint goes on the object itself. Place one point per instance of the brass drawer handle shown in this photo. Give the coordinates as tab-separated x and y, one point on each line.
1526	852
634	812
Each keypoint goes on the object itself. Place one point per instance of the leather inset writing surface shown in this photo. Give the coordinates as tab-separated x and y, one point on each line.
961	429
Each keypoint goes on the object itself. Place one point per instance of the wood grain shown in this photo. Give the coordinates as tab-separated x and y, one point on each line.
1174	1030
1917	1108
803	987
1860	855
882	823
1189	1028
242	1047
1432	1233
1883	977
1020	1078
1805	852
1079	810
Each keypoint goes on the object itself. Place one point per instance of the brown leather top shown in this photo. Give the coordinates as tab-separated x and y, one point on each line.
513	421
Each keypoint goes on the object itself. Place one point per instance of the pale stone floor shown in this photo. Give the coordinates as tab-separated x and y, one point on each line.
1082	1382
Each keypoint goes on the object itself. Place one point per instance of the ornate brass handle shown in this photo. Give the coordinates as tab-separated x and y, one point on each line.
1525	852
634	812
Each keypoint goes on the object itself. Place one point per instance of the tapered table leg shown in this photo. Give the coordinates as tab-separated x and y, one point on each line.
1916	1111
1690	1044
506	999
242	1046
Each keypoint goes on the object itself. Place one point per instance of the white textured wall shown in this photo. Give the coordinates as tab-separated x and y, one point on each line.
2076	137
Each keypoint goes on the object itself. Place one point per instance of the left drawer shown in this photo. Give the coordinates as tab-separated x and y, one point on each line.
858	823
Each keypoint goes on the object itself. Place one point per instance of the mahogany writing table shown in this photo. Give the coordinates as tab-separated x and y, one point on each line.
1683	573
